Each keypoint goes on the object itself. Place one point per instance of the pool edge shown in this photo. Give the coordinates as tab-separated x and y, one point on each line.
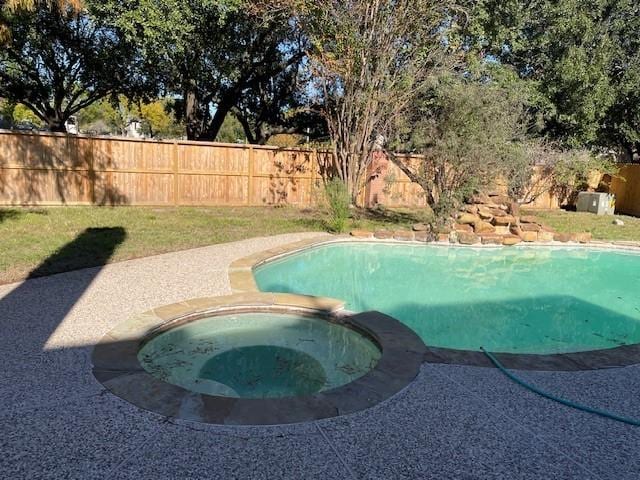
116	366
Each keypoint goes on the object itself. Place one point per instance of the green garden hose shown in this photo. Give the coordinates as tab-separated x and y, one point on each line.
568	403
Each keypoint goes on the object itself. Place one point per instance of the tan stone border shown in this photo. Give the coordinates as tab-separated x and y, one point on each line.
116	365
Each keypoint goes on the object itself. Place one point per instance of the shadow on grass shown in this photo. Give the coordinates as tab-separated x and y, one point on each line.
92	248
30	313
9	214
16	213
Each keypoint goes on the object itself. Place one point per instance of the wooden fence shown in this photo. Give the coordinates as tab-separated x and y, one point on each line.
626	187
55	169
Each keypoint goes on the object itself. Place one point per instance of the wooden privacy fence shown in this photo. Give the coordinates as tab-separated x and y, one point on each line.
55	169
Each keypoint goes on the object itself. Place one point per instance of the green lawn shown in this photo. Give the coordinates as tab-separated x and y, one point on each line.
28	237
600	226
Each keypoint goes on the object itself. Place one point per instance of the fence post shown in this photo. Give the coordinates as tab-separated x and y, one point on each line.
250	175
314	168
92	171
176	183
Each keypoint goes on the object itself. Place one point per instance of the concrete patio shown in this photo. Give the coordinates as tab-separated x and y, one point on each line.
57	421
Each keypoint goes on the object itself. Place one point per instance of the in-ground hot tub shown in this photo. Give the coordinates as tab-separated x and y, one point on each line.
257	358
259	355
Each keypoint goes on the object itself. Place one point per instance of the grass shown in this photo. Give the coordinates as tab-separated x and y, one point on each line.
78	237
600	226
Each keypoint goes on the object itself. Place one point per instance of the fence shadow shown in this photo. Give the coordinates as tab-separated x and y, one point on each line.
35	169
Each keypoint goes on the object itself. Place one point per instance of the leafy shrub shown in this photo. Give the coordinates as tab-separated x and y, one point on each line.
338	199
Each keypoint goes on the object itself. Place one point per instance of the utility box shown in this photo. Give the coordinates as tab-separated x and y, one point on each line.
598	203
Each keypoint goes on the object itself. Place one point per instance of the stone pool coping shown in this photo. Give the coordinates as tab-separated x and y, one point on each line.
116	364
242	281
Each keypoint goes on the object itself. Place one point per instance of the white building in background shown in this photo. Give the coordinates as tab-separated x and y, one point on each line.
134	129
72	125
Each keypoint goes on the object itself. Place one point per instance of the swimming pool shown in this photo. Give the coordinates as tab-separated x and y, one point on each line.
535	300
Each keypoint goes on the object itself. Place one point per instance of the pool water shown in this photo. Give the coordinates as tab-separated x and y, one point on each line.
259	355
518	300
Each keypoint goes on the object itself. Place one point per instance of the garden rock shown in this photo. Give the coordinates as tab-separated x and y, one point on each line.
511	240
483	227
467	218
505	220
404	235
361	233
383	234
468	238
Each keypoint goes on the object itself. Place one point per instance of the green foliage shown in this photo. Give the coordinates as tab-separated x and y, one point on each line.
466	134
582	55
338	201
22	114
216	56
231	131
111	117
59	61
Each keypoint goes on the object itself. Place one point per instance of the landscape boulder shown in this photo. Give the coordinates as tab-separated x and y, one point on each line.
529	236
463	227
491	239
383	234
483	227
562	237
468	238
467	218
530	227
405	235
511	240
505	220
544	236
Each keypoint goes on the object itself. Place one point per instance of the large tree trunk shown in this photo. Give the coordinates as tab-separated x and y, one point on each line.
212	130
56	125
192	112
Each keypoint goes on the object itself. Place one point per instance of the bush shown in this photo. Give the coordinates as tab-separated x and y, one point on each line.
338	200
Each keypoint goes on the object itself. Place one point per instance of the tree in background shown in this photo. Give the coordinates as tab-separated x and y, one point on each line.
12	6
113	116
370	61
216	56
583	56
58	62
464	135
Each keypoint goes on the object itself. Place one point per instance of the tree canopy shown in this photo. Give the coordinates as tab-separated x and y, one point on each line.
582	55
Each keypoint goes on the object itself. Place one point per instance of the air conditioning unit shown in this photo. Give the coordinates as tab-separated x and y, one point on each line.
598	203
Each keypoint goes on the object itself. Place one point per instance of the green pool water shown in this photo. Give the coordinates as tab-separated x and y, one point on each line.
517	300
259	355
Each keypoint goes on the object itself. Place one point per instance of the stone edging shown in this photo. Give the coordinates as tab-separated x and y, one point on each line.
242	280
116	365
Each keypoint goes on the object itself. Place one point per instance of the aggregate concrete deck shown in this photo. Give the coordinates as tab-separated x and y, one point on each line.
57	421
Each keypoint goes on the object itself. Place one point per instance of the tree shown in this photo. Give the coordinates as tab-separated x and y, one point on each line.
113	116
463	136
11	6
370	60
583	56
212	54
60	61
